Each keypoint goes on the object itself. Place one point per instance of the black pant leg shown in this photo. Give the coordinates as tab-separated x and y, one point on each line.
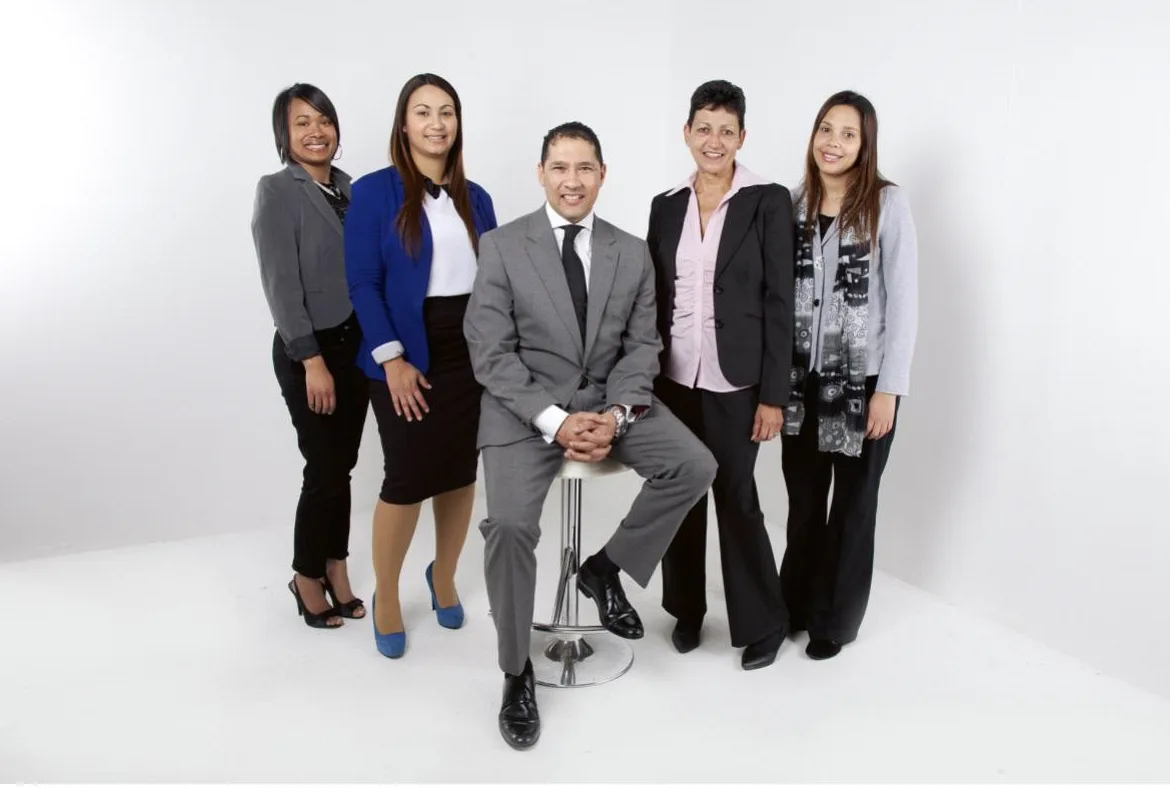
329	445
353	399
846	575
808	474
684	567
755	605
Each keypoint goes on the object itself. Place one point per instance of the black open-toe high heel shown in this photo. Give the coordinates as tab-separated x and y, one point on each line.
344	609
315	620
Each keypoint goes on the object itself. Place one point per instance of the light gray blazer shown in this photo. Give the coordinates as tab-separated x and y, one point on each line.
525	343
893	292
300	248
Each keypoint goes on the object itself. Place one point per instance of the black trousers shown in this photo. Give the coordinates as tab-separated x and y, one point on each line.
827	568
755	605
329	444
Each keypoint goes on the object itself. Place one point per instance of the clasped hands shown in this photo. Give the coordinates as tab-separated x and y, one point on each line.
587	437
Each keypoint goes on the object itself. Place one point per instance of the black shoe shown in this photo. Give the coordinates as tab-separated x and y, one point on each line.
519	717
685	636
819	648
613	609
345	609
316	620
762	653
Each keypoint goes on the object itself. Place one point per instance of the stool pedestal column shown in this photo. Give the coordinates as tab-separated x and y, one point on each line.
573	655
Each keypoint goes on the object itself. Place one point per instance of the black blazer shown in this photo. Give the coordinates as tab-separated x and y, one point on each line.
754	273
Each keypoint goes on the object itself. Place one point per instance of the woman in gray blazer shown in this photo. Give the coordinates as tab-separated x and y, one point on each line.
856	311
297	223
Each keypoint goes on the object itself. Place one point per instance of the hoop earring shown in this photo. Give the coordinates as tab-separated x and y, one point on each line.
337	155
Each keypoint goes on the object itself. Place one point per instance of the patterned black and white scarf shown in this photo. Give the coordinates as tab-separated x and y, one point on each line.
840	409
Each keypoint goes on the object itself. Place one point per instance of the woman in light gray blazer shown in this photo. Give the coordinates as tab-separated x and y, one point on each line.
297	226
856	320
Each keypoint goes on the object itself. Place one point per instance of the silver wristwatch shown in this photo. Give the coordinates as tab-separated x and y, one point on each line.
621	421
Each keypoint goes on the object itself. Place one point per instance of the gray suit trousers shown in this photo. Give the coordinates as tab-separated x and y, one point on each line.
677	468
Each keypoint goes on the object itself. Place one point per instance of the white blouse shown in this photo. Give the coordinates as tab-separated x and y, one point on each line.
453	263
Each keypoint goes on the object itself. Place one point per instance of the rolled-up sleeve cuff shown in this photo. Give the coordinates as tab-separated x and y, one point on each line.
302	348
387	352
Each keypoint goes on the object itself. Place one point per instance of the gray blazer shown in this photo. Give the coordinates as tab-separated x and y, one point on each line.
893	292
299	245
526	347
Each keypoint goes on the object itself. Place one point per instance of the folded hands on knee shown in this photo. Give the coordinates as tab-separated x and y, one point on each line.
587	437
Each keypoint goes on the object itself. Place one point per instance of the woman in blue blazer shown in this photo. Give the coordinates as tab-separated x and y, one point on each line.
412	237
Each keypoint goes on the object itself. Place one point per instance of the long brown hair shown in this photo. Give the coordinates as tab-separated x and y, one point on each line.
861	208
409	219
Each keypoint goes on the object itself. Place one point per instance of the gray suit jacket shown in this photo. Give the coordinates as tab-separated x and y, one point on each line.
526	347
299	245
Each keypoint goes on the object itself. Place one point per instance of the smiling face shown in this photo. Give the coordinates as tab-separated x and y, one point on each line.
571	176
312	135
837	141
714	137
431	124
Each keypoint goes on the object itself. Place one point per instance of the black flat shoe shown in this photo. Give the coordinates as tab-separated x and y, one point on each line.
685	636
315	620
519	717
762	653
613	609
822	649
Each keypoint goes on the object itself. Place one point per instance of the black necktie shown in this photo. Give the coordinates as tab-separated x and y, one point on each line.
575	274
433	188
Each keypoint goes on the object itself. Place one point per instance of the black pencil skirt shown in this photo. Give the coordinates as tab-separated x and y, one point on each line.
438	454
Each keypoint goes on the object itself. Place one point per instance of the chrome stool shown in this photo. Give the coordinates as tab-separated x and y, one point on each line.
567	658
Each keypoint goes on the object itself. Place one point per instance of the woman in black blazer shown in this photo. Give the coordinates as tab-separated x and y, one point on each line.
722	244
297	225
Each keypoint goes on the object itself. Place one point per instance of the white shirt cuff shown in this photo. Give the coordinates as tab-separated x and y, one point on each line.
387	352
549	422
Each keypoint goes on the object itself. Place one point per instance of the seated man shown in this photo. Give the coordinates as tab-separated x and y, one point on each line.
561	329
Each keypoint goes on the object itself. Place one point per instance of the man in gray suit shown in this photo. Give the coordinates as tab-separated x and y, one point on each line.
561	328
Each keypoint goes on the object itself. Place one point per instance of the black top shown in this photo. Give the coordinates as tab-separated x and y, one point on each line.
336	199
826	223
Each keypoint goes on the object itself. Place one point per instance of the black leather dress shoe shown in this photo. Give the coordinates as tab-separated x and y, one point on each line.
613	609
685	636
519	718
762	653
821	648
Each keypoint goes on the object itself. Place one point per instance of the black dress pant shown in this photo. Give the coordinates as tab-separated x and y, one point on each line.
329	444
827	568
755	606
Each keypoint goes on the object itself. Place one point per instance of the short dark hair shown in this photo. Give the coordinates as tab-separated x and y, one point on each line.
575	131
718	94
315	98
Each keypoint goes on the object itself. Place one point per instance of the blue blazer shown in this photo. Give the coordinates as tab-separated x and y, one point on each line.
386	285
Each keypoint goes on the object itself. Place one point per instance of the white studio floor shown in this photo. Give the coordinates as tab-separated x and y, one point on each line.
185	661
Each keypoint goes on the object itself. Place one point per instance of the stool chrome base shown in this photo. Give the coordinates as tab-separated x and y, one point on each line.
564	652
579	660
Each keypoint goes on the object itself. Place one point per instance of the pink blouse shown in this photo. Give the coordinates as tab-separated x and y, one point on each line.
694	356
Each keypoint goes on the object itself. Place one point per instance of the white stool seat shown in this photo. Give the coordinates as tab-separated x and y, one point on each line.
572	469
572	654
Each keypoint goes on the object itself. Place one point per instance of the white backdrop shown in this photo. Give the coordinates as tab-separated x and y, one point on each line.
1027	477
